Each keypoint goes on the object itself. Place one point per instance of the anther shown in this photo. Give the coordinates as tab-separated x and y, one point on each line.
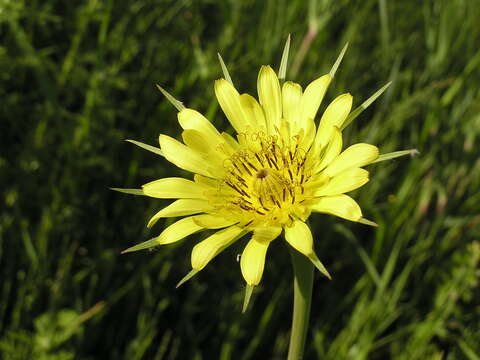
246	169
275	164
234	188
251	165
275	201
259	159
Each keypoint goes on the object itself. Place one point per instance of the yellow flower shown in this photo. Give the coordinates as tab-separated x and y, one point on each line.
268	178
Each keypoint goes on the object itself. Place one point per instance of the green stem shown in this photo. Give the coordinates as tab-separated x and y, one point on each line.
302	299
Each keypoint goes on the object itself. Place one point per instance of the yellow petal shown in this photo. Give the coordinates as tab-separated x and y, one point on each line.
300	237
253	111
339	205
229	100
291	97
196	141
308	133
269	94
207	249
174	188
205	182
213	221
230	140
192	120
252	261
334	115
178	230
313	96
343	182
181	207
186	158
199	143
332	150
357	155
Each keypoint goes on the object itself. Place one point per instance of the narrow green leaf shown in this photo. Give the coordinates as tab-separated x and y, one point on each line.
353	115
187	277
226	74
396	154
144	245
338	61
248	295
282	70
178	104
151	148
129	191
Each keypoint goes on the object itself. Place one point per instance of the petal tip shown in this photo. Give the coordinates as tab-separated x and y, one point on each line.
187	277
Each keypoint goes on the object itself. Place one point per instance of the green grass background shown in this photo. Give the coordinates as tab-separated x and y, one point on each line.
77	78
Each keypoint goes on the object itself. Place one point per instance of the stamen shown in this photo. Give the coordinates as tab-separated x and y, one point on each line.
246	169
251	165
259	160
290	174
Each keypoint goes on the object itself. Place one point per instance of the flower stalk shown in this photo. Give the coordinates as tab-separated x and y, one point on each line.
302	290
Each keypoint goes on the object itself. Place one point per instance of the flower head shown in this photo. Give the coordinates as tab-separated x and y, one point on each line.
268	178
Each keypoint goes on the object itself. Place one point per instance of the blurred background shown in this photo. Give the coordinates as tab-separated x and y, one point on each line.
78	77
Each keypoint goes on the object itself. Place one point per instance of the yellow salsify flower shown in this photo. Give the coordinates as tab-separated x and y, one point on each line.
267	180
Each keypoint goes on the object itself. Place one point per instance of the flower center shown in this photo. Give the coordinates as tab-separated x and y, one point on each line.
265	180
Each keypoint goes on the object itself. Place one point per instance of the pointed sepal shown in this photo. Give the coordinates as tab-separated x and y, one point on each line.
396	154
248	295
144	245
129	191
354	114
367	222
338	61
318	264
282	70
151	148
178	104
226	74
187	277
